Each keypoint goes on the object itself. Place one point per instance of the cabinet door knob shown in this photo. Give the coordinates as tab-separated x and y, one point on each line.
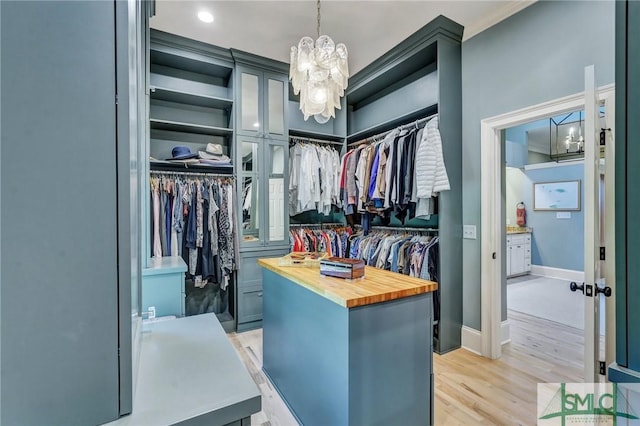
260	294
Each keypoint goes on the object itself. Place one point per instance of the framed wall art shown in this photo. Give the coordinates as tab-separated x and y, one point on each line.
557	196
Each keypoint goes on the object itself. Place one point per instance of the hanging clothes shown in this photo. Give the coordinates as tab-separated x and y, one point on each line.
416	256
314	178
334	242
400	175
195	216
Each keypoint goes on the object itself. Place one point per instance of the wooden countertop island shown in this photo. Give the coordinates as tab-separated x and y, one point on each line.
376	286
349	352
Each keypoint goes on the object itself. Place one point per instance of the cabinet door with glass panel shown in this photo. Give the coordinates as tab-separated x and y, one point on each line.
263	191
277	192
262	106
249	151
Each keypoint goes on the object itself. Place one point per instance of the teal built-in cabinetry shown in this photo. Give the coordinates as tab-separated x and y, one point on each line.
421	77
191	103
627	290
191	97
262	164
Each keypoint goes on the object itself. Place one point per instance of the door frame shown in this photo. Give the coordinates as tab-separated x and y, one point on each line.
492	221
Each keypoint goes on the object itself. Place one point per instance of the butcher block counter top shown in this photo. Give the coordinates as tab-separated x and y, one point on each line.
376	286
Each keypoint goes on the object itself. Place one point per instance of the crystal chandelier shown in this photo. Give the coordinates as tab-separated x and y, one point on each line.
571	139
319	74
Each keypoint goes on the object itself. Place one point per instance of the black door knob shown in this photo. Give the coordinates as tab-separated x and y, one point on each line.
606	290
575	286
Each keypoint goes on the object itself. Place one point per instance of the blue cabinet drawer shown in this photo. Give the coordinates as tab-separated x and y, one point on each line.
250	304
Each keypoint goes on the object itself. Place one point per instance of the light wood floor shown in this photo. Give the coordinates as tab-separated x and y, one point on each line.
469	389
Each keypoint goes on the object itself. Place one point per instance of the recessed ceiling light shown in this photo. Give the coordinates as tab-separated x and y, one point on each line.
205	16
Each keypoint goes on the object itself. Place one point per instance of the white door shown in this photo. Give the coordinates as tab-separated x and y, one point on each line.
609	227
592	224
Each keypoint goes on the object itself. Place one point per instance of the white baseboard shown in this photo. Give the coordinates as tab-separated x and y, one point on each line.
472	338
505	333
561	274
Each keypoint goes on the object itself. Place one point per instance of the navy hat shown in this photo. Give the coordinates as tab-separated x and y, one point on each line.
181	153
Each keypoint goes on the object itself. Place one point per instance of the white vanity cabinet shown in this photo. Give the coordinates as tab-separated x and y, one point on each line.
518	254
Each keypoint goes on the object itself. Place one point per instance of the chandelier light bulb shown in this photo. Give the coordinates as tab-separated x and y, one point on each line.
319	95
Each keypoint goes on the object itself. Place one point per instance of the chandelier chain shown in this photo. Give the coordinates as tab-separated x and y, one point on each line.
318	27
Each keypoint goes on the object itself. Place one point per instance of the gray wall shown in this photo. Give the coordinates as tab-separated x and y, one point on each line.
526	59
558	243
59	277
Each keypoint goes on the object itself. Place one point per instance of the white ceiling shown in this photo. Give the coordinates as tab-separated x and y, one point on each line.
367	28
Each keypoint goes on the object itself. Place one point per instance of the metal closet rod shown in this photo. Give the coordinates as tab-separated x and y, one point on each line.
162	172
373	138
311	225
399	229
312	140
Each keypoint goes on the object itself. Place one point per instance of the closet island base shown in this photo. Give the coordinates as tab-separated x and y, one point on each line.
349	352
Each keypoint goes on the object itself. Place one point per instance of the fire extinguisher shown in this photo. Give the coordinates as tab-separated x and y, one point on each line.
521	214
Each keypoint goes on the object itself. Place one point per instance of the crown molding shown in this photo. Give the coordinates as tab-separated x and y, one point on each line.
510	8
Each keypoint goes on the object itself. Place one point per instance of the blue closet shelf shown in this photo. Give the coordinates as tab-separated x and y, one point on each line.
177	126
164	265
165	166
391	124
316	135
171	95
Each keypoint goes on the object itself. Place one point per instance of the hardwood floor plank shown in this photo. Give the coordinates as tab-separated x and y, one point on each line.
469	389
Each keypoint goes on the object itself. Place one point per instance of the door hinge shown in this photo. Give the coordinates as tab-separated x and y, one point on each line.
603	136
116	99
602	253
603	368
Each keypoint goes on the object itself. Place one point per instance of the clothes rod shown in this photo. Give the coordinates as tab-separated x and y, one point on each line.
399	229
311	225
417	123
312	140
168	173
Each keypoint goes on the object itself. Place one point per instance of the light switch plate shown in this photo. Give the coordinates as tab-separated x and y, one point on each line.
469	232
563	215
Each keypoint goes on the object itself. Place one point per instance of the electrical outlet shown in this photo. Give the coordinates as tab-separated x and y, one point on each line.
152	312
469	232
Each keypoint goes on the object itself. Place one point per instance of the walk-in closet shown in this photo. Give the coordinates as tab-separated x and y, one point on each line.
282	212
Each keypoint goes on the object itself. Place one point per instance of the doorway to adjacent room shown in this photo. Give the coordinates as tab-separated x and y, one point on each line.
494	220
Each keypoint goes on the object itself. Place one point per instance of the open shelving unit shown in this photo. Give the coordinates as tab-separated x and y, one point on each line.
191	103
418	78
191	95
